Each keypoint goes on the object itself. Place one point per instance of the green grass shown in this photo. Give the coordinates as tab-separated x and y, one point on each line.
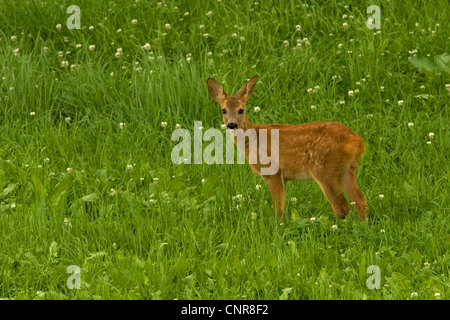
181	238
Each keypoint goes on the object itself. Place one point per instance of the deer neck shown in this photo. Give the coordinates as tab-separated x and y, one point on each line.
247	125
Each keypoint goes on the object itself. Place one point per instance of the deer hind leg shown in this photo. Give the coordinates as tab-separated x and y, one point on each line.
348	183
276	188
330	188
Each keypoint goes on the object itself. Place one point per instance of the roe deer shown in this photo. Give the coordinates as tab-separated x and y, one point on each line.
327	152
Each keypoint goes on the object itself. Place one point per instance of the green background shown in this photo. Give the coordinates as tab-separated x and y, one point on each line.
206	231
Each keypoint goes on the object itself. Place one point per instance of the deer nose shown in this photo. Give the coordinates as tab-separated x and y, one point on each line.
232	125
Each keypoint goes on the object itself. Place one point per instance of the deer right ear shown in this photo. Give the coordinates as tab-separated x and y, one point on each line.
247	90
216	90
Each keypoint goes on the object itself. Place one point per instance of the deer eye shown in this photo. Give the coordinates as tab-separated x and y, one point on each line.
241	111
224	111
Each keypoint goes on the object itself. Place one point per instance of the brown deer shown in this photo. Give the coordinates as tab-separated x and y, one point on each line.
327	152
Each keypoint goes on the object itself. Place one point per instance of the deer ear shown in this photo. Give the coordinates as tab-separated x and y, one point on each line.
246	91
216	90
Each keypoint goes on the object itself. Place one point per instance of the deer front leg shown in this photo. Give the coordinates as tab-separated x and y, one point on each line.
276	188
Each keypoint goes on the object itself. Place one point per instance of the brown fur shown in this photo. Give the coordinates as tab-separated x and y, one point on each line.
327	152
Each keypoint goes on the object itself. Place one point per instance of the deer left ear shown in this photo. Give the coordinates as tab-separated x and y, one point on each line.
216	90
246	91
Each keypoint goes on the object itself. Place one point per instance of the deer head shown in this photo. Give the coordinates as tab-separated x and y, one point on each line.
233	107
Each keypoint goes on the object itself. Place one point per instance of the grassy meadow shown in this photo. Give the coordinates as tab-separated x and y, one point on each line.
87	180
